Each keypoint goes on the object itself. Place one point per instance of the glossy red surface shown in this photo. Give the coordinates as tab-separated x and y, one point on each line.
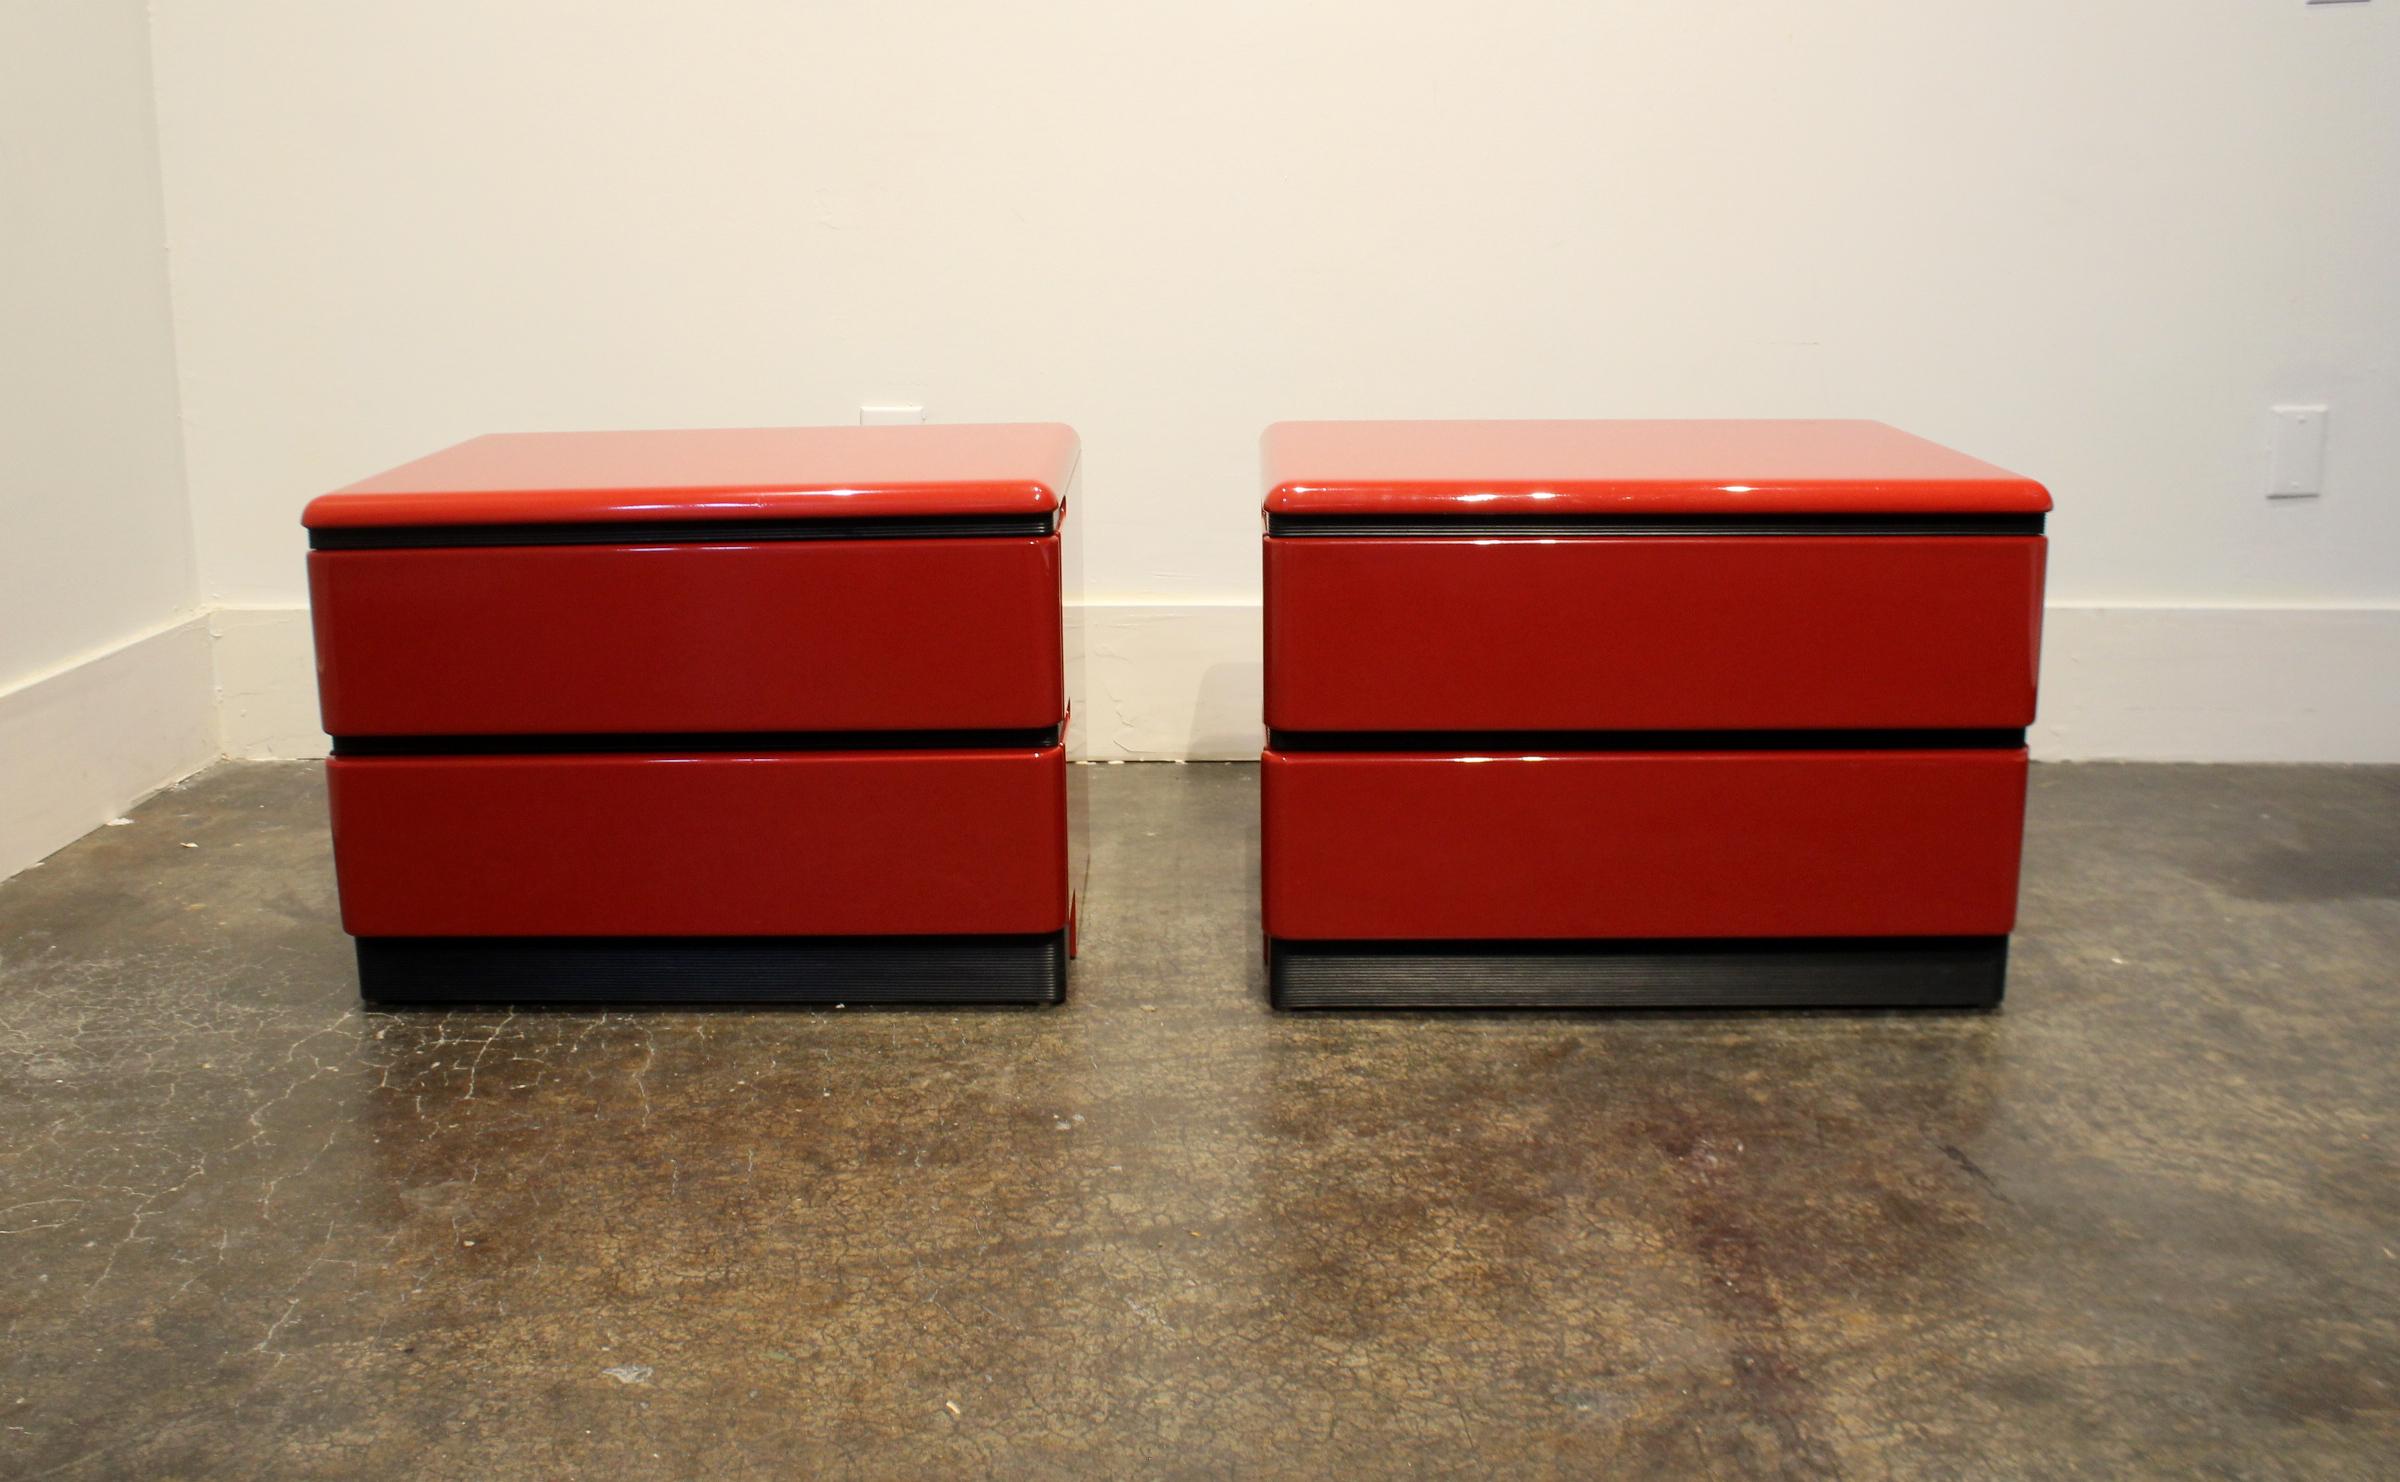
1079	849
716	474
1596	845
1610	468
1652	633
791	635
785	844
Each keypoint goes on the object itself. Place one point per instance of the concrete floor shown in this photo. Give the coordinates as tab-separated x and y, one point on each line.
2143	1221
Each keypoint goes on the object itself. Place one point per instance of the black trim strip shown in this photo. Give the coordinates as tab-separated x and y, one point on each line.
1573	741
1737	973
682	743
683	532
1396	526
714	970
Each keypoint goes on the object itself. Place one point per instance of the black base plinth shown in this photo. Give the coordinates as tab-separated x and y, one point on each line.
1798	972
402	971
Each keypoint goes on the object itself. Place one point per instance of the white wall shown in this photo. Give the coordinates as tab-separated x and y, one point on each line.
104	681
2091	241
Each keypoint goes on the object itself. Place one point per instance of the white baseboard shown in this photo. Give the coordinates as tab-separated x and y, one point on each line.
1181	681
1167	681
2220	684
82	742
2212	684
1158	683
267	683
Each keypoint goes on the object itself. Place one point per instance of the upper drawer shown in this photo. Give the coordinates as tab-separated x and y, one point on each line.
690	636
1652	632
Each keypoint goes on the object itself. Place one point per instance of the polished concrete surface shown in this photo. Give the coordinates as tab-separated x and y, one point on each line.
2143	1221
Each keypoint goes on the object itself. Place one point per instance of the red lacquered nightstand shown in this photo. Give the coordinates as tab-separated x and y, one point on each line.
1643	714
757	715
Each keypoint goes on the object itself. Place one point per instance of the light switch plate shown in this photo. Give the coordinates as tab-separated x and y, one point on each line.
2296	466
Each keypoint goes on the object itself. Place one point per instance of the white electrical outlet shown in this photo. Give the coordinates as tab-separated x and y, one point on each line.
2296	468
890	414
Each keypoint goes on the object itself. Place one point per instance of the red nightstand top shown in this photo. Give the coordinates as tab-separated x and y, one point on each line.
1470	469
749	473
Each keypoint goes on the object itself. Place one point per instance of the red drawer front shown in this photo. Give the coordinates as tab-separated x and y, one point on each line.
800	635
1652	632
782	844
1642	844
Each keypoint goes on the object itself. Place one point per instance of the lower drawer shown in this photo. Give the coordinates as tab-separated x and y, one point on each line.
1426	847
721	844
